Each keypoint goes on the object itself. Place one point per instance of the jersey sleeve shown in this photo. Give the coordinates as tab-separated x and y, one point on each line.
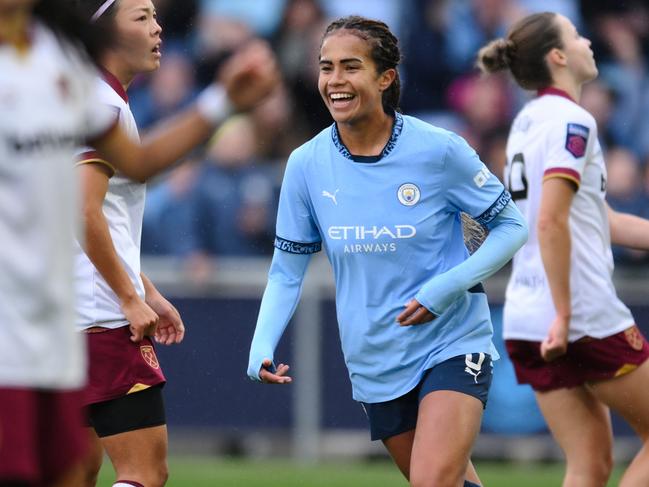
470	186
99	118
296	231
88	154
569	143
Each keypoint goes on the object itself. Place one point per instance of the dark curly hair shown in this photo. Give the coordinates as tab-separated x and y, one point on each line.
384	51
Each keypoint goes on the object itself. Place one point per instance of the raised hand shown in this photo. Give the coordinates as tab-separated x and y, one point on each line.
250	75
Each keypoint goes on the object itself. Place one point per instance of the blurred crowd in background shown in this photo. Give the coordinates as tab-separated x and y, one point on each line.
223	203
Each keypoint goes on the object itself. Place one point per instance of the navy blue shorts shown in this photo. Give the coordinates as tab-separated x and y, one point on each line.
470	374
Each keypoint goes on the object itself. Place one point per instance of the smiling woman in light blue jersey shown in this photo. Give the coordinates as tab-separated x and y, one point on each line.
384	192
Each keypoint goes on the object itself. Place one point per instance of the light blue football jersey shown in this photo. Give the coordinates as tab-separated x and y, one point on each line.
389	224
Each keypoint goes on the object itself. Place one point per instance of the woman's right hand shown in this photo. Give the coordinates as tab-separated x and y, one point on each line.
556	343
250	75
277	377
142	319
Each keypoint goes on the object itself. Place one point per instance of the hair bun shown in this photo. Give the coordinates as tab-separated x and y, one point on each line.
496	56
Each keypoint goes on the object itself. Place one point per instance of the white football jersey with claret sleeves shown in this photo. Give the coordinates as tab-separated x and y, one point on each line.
47	108
553	136
97	304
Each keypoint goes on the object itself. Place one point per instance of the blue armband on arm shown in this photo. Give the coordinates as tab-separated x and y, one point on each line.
507	233
280	299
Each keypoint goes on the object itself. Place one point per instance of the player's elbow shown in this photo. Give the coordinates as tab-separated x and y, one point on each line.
551	222
521	233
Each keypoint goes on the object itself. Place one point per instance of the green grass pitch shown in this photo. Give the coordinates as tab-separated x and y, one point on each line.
219	472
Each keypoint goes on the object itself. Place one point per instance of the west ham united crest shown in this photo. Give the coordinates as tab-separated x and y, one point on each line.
408	194
148	354
634	338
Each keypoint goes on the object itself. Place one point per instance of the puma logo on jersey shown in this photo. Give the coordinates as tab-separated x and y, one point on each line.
327	194
473	368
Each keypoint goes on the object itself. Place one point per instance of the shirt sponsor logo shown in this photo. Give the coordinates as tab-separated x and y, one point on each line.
374	232
363	233
529	281
370	248
577	139
408	194
43	142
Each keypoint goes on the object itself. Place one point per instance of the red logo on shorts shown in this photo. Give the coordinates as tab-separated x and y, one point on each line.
149	356
634	338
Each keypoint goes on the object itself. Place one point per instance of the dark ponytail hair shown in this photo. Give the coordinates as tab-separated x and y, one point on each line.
66	20
384	51
523	51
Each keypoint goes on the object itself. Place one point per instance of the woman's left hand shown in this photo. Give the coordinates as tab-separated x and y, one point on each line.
414	314
171	328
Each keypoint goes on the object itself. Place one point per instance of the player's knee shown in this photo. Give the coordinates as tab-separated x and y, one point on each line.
160	475
152	475
91	471
90	478
439	476
594	469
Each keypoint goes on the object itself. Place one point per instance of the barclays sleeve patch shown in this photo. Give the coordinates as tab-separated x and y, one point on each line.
577	139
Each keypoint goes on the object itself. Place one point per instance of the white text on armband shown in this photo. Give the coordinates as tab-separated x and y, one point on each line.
497	207
373	232
297	247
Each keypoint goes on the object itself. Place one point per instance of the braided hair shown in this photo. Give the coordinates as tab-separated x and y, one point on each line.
384	51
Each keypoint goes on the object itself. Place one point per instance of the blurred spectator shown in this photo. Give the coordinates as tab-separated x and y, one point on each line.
618	41
178	23
426	70
624	192
169	89
236	192
567	8
262	17
494	153
211	209
297	43
484	103
471	24
598	98
275	131
645	188
388	11
236	196
170	220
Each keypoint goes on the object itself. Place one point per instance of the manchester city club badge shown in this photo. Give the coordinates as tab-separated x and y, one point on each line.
408	194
